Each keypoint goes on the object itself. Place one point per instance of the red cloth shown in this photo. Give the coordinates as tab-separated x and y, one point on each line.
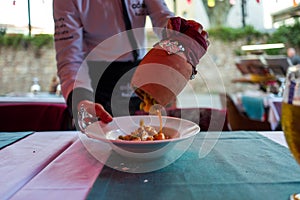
192	40
34	117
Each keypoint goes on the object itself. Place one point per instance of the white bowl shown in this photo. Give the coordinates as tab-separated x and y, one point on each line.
179	129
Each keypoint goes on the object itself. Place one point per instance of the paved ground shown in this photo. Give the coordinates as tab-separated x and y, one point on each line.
189	100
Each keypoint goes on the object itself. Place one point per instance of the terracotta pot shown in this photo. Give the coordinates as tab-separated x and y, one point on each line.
161	75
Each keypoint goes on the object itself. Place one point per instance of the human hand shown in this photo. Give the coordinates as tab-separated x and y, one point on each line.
96	110
177	24
191	35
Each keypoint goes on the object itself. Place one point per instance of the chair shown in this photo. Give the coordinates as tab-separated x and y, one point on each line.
34	117
239	121
209	119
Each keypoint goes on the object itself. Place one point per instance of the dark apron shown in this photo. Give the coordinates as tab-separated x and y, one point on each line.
111	83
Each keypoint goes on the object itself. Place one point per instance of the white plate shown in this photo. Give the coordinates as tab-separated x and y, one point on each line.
109	133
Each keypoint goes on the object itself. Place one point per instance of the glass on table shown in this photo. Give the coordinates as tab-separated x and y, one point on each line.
291	114
85	118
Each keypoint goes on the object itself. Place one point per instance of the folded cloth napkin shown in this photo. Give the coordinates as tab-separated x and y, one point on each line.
8	138
171	63
254	107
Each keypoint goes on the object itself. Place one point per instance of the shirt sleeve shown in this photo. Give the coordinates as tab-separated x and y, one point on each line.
159	14
69	46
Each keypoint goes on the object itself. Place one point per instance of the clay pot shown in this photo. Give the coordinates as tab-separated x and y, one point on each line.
161	75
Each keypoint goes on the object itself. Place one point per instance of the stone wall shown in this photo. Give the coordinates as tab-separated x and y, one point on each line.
217	69
19	66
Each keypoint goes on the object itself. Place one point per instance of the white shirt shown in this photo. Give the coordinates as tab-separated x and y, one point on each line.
82	25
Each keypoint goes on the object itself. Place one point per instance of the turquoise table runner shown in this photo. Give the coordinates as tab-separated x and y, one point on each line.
254	107
7	138
242	165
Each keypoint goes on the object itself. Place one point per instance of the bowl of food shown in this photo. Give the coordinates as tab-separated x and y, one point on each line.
143	136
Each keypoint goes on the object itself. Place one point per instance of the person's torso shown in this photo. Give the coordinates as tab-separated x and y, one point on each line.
295	60
104	26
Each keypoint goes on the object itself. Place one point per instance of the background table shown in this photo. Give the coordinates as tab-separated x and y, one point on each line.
42	97
260	106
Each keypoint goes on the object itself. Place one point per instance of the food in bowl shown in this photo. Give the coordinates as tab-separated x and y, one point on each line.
149	133
179	134
144	133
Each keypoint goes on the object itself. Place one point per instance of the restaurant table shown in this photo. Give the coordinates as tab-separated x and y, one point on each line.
40	112
240	165
41	97
260	106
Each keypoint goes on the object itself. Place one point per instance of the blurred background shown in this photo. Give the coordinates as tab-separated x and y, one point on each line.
27	55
